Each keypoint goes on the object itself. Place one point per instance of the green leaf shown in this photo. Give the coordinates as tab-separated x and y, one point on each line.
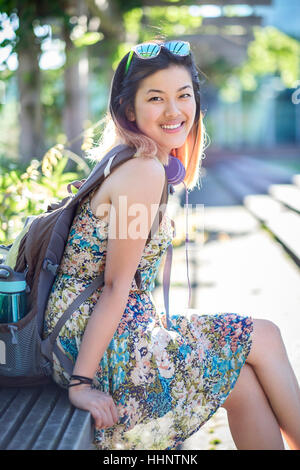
59	168
68	177
88	39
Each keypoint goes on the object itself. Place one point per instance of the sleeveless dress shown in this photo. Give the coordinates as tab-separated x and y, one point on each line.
166	383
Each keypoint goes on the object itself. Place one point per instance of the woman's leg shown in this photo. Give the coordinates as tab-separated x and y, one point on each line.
269	360
251	420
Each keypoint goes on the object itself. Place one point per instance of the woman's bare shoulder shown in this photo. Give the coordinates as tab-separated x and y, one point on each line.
141	165
138	171
130	176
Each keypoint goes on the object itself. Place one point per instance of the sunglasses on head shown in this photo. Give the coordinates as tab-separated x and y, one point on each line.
149	50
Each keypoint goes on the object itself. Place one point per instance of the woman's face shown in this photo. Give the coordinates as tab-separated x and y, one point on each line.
165	107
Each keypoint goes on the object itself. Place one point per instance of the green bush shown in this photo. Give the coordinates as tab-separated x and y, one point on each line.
29	192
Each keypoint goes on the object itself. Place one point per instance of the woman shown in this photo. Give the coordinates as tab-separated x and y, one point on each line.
148	386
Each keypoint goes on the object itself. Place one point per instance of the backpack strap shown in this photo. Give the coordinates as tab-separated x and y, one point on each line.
118	155
48	345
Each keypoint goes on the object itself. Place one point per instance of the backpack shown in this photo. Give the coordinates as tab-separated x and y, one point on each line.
29	357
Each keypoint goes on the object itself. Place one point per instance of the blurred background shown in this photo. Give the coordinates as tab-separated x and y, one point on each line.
56	62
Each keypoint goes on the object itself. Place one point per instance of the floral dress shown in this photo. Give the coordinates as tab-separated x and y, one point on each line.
166	383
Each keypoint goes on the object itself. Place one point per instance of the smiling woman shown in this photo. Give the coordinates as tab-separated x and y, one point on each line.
149	383
124	127
160	113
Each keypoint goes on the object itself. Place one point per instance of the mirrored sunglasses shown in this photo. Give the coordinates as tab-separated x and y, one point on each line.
149	50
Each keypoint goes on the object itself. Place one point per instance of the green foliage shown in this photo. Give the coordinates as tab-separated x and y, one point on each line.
132	21
149	22
171	21
28	192
119	53
87	39
128	5
272	52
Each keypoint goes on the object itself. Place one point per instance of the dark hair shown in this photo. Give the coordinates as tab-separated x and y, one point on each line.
124	87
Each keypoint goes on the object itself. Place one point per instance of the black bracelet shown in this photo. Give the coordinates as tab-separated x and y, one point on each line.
81	380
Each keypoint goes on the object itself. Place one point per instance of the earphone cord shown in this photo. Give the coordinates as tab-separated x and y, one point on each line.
186	242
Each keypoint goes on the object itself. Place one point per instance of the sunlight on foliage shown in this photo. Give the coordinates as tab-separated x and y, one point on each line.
122	49
171	21
270	53
231	92
29	192
274	52
88	139
87	39
149	22
132	22
51	158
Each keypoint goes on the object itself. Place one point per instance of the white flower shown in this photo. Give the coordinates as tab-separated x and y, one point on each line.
165	366
138	376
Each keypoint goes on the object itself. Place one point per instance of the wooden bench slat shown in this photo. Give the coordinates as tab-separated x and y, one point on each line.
251	173
286	227
56	424
269	170
212	193
16	412
231	180
241	184
296	180
263	206
42	418
6	396
281	221
248	176
79	433
31	426
288	194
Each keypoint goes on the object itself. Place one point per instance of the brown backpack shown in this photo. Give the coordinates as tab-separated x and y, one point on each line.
29	357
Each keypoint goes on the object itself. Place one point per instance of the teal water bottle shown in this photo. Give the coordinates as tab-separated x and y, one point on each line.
13	295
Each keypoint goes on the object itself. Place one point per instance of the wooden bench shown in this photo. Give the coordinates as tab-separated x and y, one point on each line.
279	211
270	193
42	418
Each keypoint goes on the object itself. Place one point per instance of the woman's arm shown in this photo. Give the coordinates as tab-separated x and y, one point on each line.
136	186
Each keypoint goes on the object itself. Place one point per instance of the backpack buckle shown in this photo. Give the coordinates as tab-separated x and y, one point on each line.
46	368
49	266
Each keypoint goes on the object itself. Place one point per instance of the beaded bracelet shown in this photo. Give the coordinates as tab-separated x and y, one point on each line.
81	380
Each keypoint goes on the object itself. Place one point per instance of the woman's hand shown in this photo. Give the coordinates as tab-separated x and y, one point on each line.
99	404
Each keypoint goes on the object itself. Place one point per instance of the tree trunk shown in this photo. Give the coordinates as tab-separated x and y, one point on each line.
31	139
76	73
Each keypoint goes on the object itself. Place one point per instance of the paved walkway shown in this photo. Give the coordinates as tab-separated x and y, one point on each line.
239	269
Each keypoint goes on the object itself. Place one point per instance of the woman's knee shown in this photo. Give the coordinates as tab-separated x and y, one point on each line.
267	326
266	340
266	330
243	389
